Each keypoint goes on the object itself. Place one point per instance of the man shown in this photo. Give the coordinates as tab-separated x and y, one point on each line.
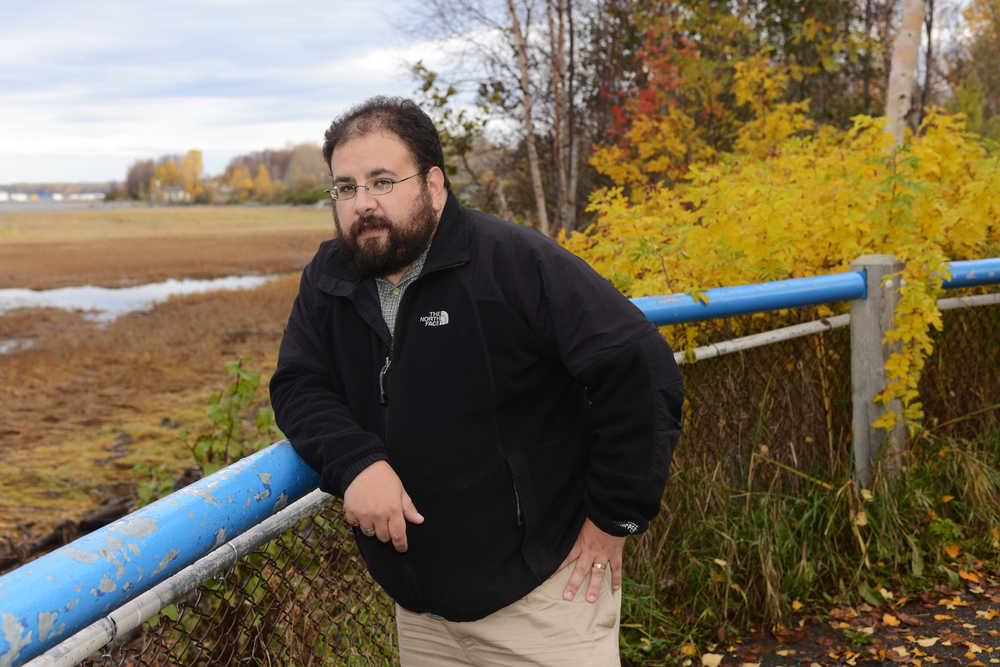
495	415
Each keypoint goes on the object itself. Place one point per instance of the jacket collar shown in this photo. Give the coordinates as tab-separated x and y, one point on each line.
449	248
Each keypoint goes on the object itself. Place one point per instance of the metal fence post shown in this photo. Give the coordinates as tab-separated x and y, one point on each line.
870	319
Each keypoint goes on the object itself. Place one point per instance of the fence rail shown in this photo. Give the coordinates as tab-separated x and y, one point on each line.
109	582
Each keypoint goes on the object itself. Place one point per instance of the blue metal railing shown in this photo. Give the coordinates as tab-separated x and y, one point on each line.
55	596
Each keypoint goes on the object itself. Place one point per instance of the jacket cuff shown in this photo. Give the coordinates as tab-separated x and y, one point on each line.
617	526
335	484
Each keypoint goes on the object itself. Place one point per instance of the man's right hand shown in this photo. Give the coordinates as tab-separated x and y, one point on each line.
377	502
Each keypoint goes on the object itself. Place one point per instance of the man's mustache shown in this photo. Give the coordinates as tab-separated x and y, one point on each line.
371	223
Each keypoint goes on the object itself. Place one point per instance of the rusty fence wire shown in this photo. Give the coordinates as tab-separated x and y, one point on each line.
306	598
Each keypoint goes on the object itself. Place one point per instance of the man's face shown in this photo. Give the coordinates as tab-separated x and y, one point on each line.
382	235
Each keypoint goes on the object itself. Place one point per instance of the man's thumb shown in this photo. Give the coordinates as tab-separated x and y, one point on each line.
410	511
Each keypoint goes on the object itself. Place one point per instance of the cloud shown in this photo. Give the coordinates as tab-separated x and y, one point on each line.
127	81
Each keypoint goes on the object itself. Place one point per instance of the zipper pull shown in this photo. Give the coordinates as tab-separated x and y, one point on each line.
382	390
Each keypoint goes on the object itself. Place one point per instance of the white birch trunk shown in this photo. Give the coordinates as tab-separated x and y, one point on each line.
529	125
905	54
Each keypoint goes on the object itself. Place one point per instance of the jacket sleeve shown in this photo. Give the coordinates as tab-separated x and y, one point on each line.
634	390
309	409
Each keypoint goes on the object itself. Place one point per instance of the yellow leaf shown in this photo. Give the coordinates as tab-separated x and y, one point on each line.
711	659
890	620
970	576
720	562
947	499
927	642
867	495
689	649
796	605
989	614
943	617
861	519
952	550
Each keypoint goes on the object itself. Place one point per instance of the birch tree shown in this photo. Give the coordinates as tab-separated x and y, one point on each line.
905	53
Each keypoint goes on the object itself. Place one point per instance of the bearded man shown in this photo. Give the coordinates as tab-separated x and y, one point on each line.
496	416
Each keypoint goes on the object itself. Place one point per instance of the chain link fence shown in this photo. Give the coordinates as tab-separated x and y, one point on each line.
306	598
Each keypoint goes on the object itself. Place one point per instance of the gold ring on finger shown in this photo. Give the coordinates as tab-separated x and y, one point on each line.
599	566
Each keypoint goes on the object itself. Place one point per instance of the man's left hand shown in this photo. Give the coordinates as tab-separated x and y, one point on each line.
594	552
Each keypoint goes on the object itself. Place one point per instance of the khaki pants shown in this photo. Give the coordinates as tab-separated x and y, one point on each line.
539	629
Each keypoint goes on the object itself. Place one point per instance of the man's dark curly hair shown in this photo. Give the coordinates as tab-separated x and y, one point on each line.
398	115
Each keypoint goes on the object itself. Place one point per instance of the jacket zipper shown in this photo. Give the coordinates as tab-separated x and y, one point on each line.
383	391
517	502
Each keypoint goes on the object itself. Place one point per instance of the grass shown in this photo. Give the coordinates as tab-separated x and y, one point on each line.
67	398
82	224
730	555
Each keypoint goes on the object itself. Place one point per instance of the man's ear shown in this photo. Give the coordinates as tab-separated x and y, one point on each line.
435	184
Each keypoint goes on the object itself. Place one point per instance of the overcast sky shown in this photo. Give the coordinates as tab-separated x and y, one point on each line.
86	88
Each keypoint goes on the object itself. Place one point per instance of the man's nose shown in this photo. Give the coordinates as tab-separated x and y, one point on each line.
364	200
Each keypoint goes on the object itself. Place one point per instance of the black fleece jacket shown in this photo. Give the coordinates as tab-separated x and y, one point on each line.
520	394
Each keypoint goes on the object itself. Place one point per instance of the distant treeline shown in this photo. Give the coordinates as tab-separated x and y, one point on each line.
286	175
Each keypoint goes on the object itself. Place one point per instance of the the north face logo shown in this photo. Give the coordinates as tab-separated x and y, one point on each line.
435	318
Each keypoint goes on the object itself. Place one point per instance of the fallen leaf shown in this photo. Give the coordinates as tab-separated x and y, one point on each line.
943	617
720	562
796	605
952	550
784	653
908	619
689	649
927	642
890	620
970	576
711	659
861	519
947	499
988	614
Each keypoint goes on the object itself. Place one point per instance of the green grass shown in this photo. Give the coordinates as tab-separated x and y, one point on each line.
728	555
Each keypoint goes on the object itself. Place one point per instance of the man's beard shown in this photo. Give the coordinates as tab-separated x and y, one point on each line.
400	247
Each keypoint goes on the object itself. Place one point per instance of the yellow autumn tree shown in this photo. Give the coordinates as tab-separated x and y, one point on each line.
190	173
263	186
796	200
238	178
167	174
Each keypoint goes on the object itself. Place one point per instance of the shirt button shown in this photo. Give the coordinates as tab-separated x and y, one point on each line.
395	291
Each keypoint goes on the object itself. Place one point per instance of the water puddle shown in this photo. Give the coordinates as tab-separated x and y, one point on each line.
102	305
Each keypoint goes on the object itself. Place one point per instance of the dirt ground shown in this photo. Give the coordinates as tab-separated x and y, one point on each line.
84	404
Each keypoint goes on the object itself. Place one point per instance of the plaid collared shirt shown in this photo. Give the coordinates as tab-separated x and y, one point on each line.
390	295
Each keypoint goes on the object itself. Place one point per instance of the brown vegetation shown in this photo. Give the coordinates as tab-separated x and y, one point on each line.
84	404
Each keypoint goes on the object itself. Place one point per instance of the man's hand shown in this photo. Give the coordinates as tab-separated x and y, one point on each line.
593	548
376	501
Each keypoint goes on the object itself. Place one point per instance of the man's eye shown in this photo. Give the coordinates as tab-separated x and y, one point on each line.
382	184
346	189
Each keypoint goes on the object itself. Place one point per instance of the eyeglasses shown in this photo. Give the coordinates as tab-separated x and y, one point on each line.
377	187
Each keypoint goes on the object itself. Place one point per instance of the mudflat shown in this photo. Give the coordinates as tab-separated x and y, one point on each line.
82	404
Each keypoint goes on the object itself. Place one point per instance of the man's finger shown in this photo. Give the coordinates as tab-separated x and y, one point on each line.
596	578
616	575
575	579
410	512
397	532
382	530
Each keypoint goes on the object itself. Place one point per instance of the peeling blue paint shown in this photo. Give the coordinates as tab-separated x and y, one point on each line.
970	273
114	564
